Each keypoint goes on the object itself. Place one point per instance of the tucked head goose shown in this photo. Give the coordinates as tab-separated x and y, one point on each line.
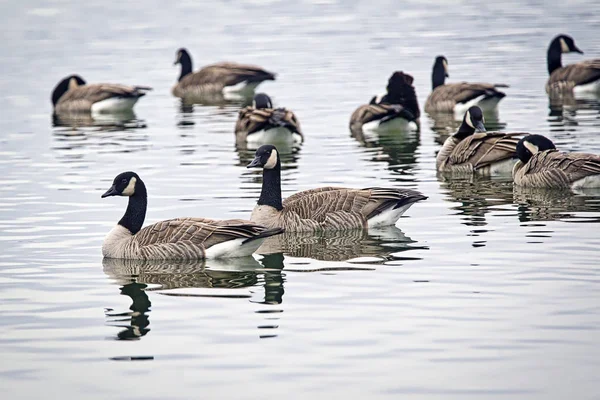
471	148
397	109
541	165
580	77
458	97
181	238
72	94
229	79
263	123
326	208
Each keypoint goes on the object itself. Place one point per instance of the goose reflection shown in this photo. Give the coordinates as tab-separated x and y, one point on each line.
137	316
139	277
340	245
478	196
541	204
397	148
104	122
568	111
218	111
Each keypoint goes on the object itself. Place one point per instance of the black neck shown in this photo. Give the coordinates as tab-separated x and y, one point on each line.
186	65
271	187
136	209
464	131
554	56
438	77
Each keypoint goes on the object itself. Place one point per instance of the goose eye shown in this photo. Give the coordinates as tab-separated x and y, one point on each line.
124	180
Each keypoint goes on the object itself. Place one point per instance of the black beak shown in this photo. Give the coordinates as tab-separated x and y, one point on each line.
479	127
447	75
110	192
577	49
176	62
255	163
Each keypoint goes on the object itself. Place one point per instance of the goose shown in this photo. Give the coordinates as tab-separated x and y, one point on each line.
73	95
458	97
472	149
397	109
542	165
582	77
180	238
325	208
261	122
229	79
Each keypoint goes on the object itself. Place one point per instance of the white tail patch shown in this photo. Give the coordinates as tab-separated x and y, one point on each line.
274	136
592	181
114	105
233	248
589	88
392	125
240	90
488	105
388	217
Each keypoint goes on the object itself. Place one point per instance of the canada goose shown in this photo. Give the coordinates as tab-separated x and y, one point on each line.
581	77
180	238
541	165
263	123
73	95
458	97
484	152
397	109
227	78
326	208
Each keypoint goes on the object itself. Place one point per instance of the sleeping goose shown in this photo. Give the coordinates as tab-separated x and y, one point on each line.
175	239
326	208
472	149
541	165
261	122
458	97
73	95
398	109
225	78
581	77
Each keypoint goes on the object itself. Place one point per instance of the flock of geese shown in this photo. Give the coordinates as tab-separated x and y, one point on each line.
533	160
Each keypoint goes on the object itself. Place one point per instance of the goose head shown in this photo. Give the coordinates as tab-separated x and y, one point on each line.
472	122
261	100
70	82
566	44
533	144
183	57
124	184
266	157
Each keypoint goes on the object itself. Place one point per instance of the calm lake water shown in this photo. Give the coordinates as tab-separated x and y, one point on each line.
483	292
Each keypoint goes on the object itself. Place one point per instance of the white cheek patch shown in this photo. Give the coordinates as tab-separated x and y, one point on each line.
253	103
72	83
269	104
272	161
468	119
533	149
563	46
130	189
445	66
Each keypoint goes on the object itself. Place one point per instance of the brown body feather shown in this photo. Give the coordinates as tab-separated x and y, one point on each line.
81	98
566	78
477	152
214	78
181	238
251	120
445	97
333	208
555	169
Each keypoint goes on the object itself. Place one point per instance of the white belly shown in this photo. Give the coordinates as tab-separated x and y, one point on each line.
274	136
393	125
587	182
233	248
239	91
589	88
388	217
114	105
486	105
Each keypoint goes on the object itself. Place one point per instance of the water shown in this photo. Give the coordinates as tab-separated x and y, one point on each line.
483	292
